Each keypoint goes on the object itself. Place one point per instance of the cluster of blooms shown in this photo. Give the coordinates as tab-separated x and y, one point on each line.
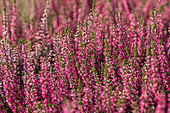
95	60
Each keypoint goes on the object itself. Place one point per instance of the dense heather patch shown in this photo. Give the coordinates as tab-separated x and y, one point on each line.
103	56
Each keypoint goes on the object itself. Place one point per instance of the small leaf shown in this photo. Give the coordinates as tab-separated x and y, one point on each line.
147	51
135	51
80	102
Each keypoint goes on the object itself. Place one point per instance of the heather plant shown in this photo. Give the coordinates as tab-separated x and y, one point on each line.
86	56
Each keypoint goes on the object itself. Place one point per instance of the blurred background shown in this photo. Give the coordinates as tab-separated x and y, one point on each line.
34	8
31	11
